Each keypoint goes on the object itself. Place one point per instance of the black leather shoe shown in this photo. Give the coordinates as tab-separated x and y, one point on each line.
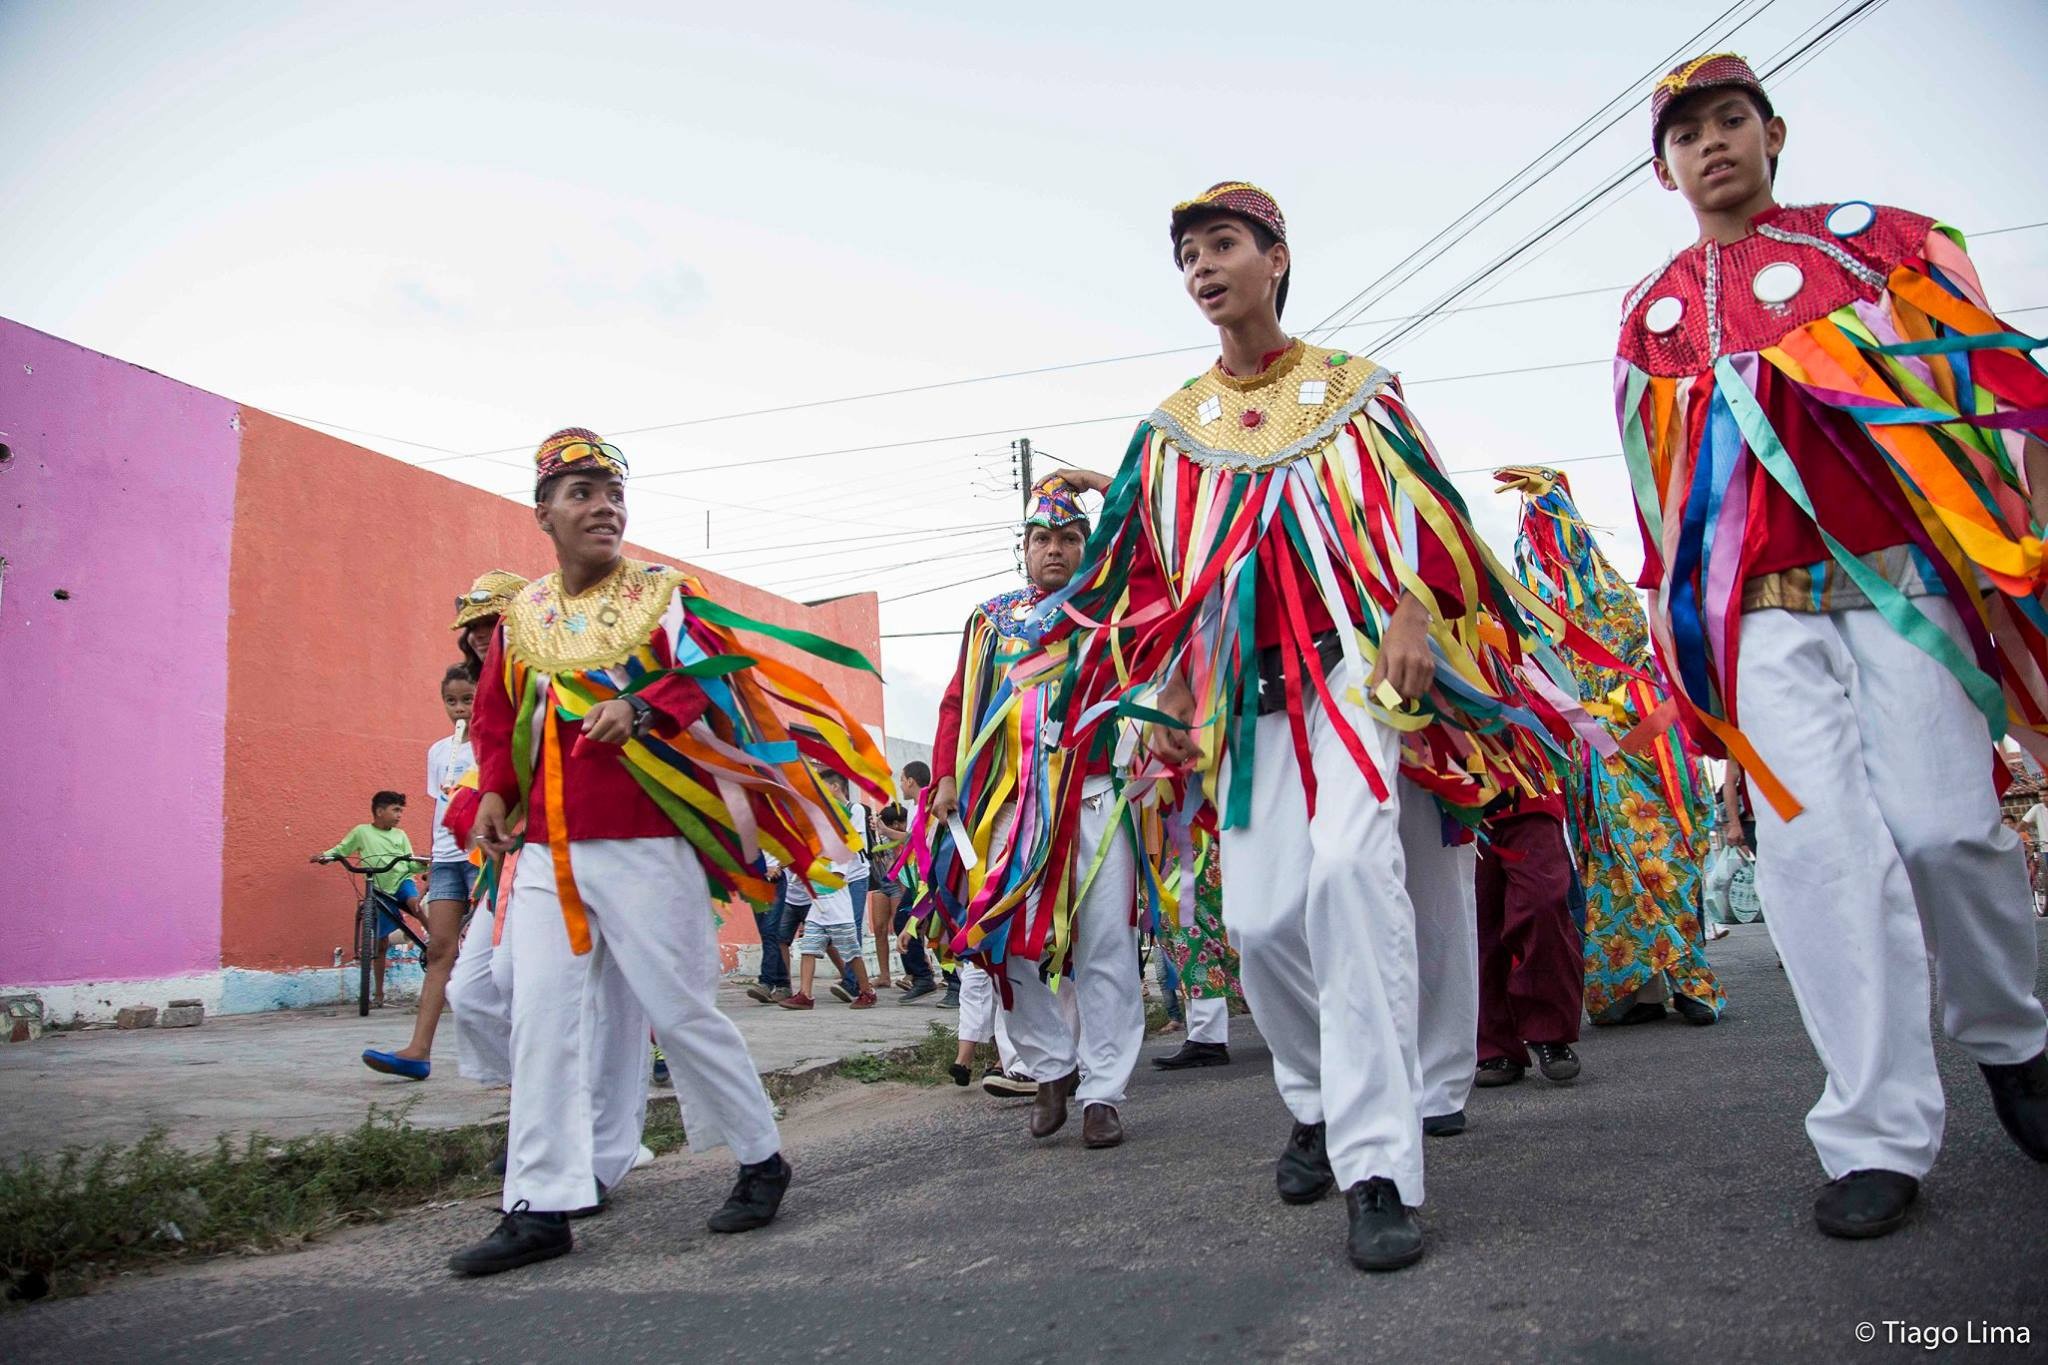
1443	1125
1695	1012
1642	1012
1865	1203
1195	1054
1303	1172
604	1201
961	1075
1384	1233
522	1237
2020	1095
1497	1071
755	1198
1556	1061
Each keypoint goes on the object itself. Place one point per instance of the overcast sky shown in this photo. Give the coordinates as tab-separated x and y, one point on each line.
464	228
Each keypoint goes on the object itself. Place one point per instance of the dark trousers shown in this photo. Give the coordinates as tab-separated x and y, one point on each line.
1532	982
774	946
916	965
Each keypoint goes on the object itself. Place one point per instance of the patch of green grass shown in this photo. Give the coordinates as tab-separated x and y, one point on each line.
925	1062
69	1220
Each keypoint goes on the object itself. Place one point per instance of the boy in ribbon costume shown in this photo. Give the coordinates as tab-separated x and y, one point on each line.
1030	899
1286	584
654	767
1832	442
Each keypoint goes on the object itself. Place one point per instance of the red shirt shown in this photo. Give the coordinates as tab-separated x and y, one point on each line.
1780	536
600	797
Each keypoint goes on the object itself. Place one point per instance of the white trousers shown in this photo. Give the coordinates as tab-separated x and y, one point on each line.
1107	983
482	1005
654	957
1325	934
981	1020
1440	883
1899	855
1208	1019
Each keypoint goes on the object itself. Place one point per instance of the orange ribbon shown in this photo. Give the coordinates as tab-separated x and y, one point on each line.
573	914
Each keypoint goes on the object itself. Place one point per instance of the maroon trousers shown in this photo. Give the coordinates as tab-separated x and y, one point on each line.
1531	970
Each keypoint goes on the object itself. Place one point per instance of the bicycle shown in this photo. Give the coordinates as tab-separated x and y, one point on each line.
372	908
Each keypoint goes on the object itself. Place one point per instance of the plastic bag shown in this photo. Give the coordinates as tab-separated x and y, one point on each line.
1731	887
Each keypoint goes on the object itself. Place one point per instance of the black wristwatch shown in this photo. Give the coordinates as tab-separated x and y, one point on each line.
643	715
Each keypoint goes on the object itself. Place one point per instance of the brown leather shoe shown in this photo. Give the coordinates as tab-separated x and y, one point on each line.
1049	1105
1100	1126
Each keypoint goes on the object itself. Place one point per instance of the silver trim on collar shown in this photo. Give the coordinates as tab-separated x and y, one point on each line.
1826	248
1215	457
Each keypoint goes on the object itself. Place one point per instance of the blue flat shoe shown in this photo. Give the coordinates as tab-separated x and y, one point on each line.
391	1064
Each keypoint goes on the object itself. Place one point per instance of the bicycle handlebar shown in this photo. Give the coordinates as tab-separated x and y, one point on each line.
384	867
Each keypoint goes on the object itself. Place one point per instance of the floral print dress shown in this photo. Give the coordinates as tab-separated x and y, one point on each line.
1640	821
1194	940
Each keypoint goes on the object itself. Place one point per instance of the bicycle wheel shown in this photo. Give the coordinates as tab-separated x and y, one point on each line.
368	944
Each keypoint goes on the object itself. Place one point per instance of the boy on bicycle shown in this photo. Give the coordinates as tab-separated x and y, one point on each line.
374	845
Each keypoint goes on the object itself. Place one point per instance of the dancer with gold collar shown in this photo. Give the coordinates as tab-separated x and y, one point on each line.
1285	584
655	768
1840	472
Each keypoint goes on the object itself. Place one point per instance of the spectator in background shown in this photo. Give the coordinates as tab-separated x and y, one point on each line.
374	845
775	936
858	871
450	879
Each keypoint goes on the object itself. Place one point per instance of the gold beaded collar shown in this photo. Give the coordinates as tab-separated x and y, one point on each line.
548	630
1294	405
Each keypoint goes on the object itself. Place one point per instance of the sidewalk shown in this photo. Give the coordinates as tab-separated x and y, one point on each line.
300	1071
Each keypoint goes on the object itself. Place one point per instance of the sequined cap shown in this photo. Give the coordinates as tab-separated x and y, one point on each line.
1229	196
1055	503
568	450
493	590
1716	70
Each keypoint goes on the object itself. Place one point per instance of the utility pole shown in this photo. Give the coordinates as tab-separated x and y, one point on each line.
1022	445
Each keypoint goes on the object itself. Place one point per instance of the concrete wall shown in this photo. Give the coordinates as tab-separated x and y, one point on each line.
253	643
120	496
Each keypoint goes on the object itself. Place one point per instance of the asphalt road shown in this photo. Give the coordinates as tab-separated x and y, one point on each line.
1656	1210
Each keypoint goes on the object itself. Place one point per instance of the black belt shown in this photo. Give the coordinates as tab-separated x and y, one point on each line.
1273	677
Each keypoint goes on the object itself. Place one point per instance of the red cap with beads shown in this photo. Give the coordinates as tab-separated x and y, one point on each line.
1715	71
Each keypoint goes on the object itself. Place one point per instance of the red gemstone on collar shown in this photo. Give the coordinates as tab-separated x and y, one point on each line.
1252	417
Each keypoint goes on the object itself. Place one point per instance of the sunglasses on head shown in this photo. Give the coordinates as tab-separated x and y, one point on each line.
474	598
602	451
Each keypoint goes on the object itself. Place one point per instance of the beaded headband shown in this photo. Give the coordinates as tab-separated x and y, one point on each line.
1240	197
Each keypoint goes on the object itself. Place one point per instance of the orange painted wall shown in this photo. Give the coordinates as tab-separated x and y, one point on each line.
345	567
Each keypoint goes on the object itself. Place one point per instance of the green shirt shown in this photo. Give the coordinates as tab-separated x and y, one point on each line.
373	847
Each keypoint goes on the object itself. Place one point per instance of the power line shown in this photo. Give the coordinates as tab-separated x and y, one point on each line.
1465	224
877	571
1587	201
1559	296
941	587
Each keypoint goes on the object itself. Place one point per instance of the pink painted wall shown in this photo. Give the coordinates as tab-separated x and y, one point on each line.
120	493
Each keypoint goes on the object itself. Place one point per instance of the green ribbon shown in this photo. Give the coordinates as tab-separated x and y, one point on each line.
830	650
716	666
